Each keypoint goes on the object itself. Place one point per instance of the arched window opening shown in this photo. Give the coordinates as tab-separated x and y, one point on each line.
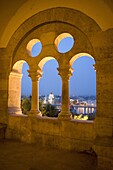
64	42
14	92
83	88
50	88
26	90
34	47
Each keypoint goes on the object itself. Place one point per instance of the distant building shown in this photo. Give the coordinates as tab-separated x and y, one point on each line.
51	98
45	100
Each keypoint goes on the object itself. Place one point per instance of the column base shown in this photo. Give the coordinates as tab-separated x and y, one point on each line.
65	115
35	113
14	110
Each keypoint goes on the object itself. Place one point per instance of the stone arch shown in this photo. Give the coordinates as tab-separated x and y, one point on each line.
54	67
88	27
44	60
88	7
14	91
72	60
47	30
17	67
76	56
47	35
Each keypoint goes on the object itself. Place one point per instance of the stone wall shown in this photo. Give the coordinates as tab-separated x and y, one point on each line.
69	135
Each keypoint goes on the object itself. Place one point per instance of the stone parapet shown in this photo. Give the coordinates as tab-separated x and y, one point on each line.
69	135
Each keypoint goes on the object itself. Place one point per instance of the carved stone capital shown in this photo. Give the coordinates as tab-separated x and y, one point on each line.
65	73
35	75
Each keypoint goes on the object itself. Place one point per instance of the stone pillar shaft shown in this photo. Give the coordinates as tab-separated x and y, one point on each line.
35	76
14	96
65	96
65	75
34	104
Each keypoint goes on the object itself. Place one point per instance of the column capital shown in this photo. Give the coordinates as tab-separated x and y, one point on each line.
65	73
35	74
15	73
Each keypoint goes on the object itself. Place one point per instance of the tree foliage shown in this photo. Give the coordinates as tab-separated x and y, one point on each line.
25	105
46	110
50	111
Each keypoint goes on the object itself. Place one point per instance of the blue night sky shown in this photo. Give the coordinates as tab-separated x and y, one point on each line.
83	81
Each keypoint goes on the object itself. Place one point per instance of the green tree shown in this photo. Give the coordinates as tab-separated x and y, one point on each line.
48	110
51	110
26	105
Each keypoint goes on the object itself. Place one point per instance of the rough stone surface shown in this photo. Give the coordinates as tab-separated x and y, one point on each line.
89	39
69	135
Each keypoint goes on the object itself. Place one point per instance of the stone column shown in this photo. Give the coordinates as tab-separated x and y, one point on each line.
35	76
103	123
65	76
14	93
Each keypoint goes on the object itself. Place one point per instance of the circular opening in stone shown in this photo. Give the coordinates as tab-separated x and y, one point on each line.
64	42
34	47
